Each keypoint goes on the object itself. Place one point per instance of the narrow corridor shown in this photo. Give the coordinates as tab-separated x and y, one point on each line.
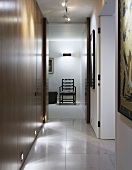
65	144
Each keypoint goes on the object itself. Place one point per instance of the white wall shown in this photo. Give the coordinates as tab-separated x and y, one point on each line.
65	67
107	88
94	93
123	125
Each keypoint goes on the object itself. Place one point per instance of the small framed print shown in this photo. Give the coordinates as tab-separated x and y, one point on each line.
51	65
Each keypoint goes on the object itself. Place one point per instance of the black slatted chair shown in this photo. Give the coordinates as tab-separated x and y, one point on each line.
67	89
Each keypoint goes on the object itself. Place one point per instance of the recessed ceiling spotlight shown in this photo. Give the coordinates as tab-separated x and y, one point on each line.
66	18
63	4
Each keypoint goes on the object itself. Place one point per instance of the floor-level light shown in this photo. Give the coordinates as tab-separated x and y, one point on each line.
35	132
22	156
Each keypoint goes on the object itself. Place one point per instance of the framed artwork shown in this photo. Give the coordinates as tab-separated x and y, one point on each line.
92	61
51	65
125	58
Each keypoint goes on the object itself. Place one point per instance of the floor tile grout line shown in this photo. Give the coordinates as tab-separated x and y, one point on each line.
65	148
107	153
111	160
68	126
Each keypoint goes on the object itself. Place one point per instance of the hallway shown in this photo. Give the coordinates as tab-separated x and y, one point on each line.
65	144
34	32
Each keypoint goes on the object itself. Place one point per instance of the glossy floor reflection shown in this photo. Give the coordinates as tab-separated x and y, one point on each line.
70	145
66	111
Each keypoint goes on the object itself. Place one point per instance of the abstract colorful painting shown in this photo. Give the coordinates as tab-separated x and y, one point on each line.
125	58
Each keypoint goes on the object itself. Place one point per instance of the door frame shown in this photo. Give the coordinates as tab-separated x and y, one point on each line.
87	92
44	20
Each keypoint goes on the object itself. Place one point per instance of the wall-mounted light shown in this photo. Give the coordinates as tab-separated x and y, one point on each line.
66	54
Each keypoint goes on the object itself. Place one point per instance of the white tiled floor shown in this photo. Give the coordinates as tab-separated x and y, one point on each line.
65	111
70	145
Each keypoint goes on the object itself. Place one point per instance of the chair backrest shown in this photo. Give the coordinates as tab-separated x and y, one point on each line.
67	84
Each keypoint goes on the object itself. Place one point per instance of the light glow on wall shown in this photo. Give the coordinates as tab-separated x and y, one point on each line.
32	32
9	20
24	22
45	118
65	67
66	62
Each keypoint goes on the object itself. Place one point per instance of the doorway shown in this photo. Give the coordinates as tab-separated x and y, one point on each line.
69	38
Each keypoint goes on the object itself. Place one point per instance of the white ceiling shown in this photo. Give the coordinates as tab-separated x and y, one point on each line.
108	8
78	10
67	32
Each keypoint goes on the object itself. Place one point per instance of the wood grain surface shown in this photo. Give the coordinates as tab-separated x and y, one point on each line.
21	77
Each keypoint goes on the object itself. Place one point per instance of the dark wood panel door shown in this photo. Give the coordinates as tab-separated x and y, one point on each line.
26	78
8	116
20	76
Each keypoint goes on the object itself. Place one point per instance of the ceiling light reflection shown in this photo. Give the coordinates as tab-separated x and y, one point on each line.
63	4
8	5
65	40
9	20
68	19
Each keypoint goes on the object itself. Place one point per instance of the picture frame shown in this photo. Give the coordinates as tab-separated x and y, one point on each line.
125	58
92	60
51	65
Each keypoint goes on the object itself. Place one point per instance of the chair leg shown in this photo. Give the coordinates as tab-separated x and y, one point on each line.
59	99
75	99
62	98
